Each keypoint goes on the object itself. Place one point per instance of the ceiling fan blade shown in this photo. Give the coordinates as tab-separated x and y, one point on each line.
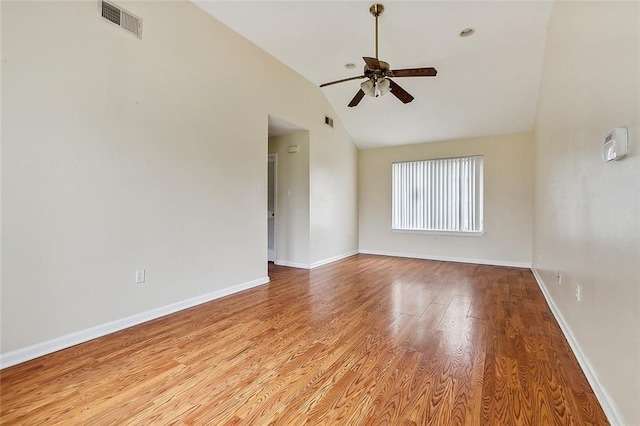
341	81
415	72
356	99
400	93
372	63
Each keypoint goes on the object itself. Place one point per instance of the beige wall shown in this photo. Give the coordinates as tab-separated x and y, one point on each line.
587	216
508	192
292	215
333	198
121	154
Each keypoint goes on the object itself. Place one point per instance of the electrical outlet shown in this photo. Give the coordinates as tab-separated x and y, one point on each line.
559	276
578	293
140	276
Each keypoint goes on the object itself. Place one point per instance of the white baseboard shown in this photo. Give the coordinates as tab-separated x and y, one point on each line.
292	264
39	349
609	407
315	264
449	259
333	259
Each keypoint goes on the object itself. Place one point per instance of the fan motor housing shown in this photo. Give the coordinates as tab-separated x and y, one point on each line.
383	71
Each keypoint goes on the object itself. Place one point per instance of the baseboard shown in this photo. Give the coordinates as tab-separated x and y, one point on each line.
333	259
39	349
449	259
609	407
292	264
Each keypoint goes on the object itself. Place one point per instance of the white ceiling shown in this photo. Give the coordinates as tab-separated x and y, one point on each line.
486	84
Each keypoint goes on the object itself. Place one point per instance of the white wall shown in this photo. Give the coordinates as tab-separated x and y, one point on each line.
587	216
318	212
333	196
292	229
120	154
508	201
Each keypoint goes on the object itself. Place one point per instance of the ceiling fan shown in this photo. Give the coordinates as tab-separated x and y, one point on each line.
378	72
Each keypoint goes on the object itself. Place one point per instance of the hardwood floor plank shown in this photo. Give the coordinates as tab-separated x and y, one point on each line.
366	340
386	403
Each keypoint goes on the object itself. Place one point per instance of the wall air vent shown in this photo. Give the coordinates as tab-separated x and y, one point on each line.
122	18
328	121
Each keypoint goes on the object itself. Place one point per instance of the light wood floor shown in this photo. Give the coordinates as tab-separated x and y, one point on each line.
368	340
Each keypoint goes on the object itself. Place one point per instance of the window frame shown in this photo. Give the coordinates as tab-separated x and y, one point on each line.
479	195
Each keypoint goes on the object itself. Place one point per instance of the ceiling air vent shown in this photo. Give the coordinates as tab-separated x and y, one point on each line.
122	18
328	121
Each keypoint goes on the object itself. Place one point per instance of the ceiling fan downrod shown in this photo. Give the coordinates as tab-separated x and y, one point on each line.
376	10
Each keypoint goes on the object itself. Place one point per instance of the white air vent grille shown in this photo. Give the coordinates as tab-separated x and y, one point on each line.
122	18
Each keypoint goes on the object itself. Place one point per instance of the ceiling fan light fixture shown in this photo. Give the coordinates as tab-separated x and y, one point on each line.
384	86
369	88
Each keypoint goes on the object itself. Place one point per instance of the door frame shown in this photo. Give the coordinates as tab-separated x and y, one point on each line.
272	255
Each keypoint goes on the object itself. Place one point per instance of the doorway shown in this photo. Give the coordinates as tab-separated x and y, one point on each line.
287	191
272	185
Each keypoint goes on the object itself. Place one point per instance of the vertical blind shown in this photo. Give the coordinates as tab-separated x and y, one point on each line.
438	195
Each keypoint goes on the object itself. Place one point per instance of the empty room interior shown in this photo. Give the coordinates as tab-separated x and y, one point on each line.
310	212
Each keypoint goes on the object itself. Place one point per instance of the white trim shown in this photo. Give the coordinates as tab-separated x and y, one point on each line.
434	232
449	259
333	259
272	255
39	349
609	407
292	264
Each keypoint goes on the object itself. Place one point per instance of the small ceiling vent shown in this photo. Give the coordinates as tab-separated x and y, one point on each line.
122	18
328	121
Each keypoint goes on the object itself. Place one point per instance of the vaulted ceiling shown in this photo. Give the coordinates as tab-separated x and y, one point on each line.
486	84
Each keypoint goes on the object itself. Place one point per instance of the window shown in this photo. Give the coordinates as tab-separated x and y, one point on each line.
442	195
